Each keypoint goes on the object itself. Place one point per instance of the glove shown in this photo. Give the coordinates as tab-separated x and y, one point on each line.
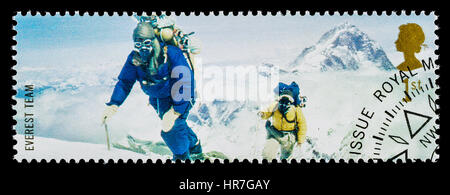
168	119
109	111
260	114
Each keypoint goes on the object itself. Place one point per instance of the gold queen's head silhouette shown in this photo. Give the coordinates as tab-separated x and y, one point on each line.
410	41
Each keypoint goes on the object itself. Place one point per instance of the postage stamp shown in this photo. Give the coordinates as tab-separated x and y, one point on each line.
207	87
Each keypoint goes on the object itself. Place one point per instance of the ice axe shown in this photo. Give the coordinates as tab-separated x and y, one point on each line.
107	134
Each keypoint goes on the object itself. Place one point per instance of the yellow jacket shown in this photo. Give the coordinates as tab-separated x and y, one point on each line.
294	115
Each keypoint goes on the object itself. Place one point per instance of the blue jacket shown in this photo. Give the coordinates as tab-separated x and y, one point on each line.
131	73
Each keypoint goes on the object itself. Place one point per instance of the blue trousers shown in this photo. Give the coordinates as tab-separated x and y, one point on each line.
181	137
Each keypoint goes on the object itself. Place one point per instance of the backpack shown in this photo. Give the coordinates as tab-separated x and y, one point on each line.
293	89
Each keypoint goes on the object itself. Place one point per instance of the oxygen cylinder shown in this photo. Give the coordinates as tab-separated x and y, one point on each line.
166	34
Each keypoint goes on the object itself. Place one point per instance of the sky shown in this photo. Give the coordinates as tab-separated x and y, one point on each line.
225	39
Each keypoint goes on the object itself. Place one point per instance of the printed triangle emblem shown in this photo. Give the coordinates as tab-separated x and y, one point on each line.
414	128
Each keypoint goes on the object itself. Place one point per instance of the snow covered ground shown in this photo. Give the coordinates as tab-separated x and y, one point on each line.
57	149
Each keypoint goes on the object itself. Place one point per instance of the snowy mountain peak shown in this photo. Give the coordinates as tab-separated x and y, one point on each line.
344	47
336	31
345	25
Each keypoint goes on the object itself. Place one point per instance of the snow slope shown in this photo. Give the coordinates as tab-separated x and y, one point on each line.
57	149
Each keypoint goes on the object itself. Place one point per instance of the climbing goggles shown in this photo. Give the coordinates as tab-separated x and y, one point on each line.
146	44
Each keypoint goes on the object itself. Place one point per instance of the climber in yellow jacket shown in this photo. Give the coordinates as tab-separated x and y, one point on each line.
288	124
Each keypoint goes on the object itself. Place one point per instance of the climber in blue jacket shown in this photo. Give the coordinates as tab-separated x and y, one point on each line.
166	77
